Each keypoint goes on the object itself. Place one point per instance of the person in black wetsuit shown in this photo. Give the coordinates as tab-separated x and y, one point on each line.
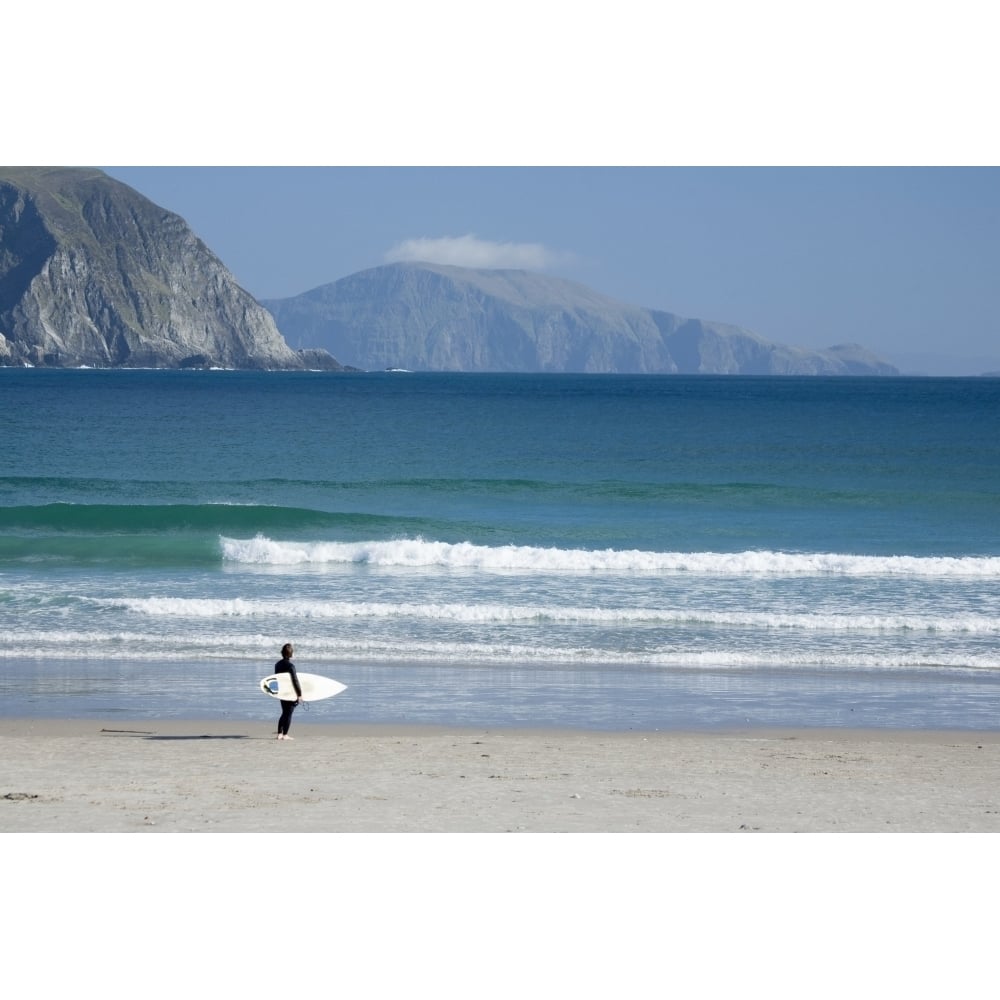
285	666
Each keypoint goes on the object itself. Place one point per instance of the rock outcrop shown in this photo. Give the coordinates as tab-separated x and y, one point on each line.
94	274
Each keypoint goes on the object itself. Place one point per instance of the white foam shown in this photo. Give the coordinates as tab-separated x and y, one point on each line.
292	608
243	648
417	553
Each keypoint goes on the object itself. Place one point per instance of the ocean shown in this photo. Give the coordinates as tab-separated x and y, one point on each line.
596	551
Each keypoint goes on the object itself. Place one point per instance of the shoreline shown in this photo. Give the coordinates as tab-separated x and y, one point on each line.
10	725
600	698
115	775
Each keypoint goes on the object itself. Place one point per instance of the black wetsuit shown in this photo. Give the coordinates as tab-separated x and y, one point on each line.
285	666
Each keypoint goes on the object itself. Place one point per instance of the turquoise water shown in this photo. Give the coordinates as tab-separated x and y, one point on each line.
601	551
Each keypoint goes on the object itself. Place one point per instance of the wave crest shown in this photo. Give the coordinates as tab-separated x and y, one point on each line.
418	552
489	613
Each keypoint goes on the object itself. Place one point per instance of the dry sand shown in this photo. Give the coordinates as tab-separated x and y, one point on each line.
181	776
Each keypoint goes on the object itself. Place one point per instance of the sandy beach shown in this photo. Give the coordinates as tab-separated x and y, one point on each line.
196	776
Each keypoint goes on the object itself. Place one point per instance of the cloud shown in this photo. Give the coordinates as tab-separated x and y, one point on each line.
470	251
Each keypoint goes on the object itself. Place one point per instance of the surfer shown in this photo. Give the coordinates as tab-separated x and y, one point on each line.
285	666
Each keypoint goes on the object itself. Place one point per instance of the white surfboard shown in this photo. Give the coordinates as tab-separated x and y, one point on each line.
314	687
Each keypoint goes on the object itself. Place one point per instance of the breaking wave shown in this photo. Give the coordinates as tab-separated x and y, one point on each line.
487	613
418	552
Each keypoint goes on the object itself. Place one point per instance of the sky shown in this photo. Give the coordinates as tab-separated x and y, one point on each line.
818	174
905	261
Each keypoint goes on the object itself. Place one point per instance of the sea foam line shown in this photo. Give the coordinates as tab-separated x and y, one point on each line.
182	607
419	553
245	651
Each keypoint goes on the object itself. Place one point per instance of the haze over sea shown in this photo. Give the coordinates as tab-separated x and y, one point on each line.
608	552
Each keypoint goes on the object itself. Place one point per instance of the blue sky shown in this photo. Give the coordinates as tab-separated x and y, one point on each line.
903	260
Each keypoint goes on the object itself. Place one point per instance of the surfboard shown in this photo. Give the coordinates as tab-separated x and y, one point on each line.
314	687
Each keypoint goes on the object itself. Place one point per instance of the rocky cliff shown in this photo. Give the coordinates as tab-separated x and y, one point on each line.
93	273
436	317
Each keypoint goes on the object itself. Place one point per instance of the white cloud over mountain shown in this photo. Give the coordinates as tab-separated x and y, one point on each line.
470	251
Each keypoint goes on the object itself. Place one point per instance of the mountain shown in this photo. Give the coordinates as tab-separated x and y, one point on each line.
92	273
443	318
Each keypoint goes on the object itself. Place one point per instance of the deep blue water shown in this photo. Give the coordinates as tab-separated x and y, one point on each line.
601	551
